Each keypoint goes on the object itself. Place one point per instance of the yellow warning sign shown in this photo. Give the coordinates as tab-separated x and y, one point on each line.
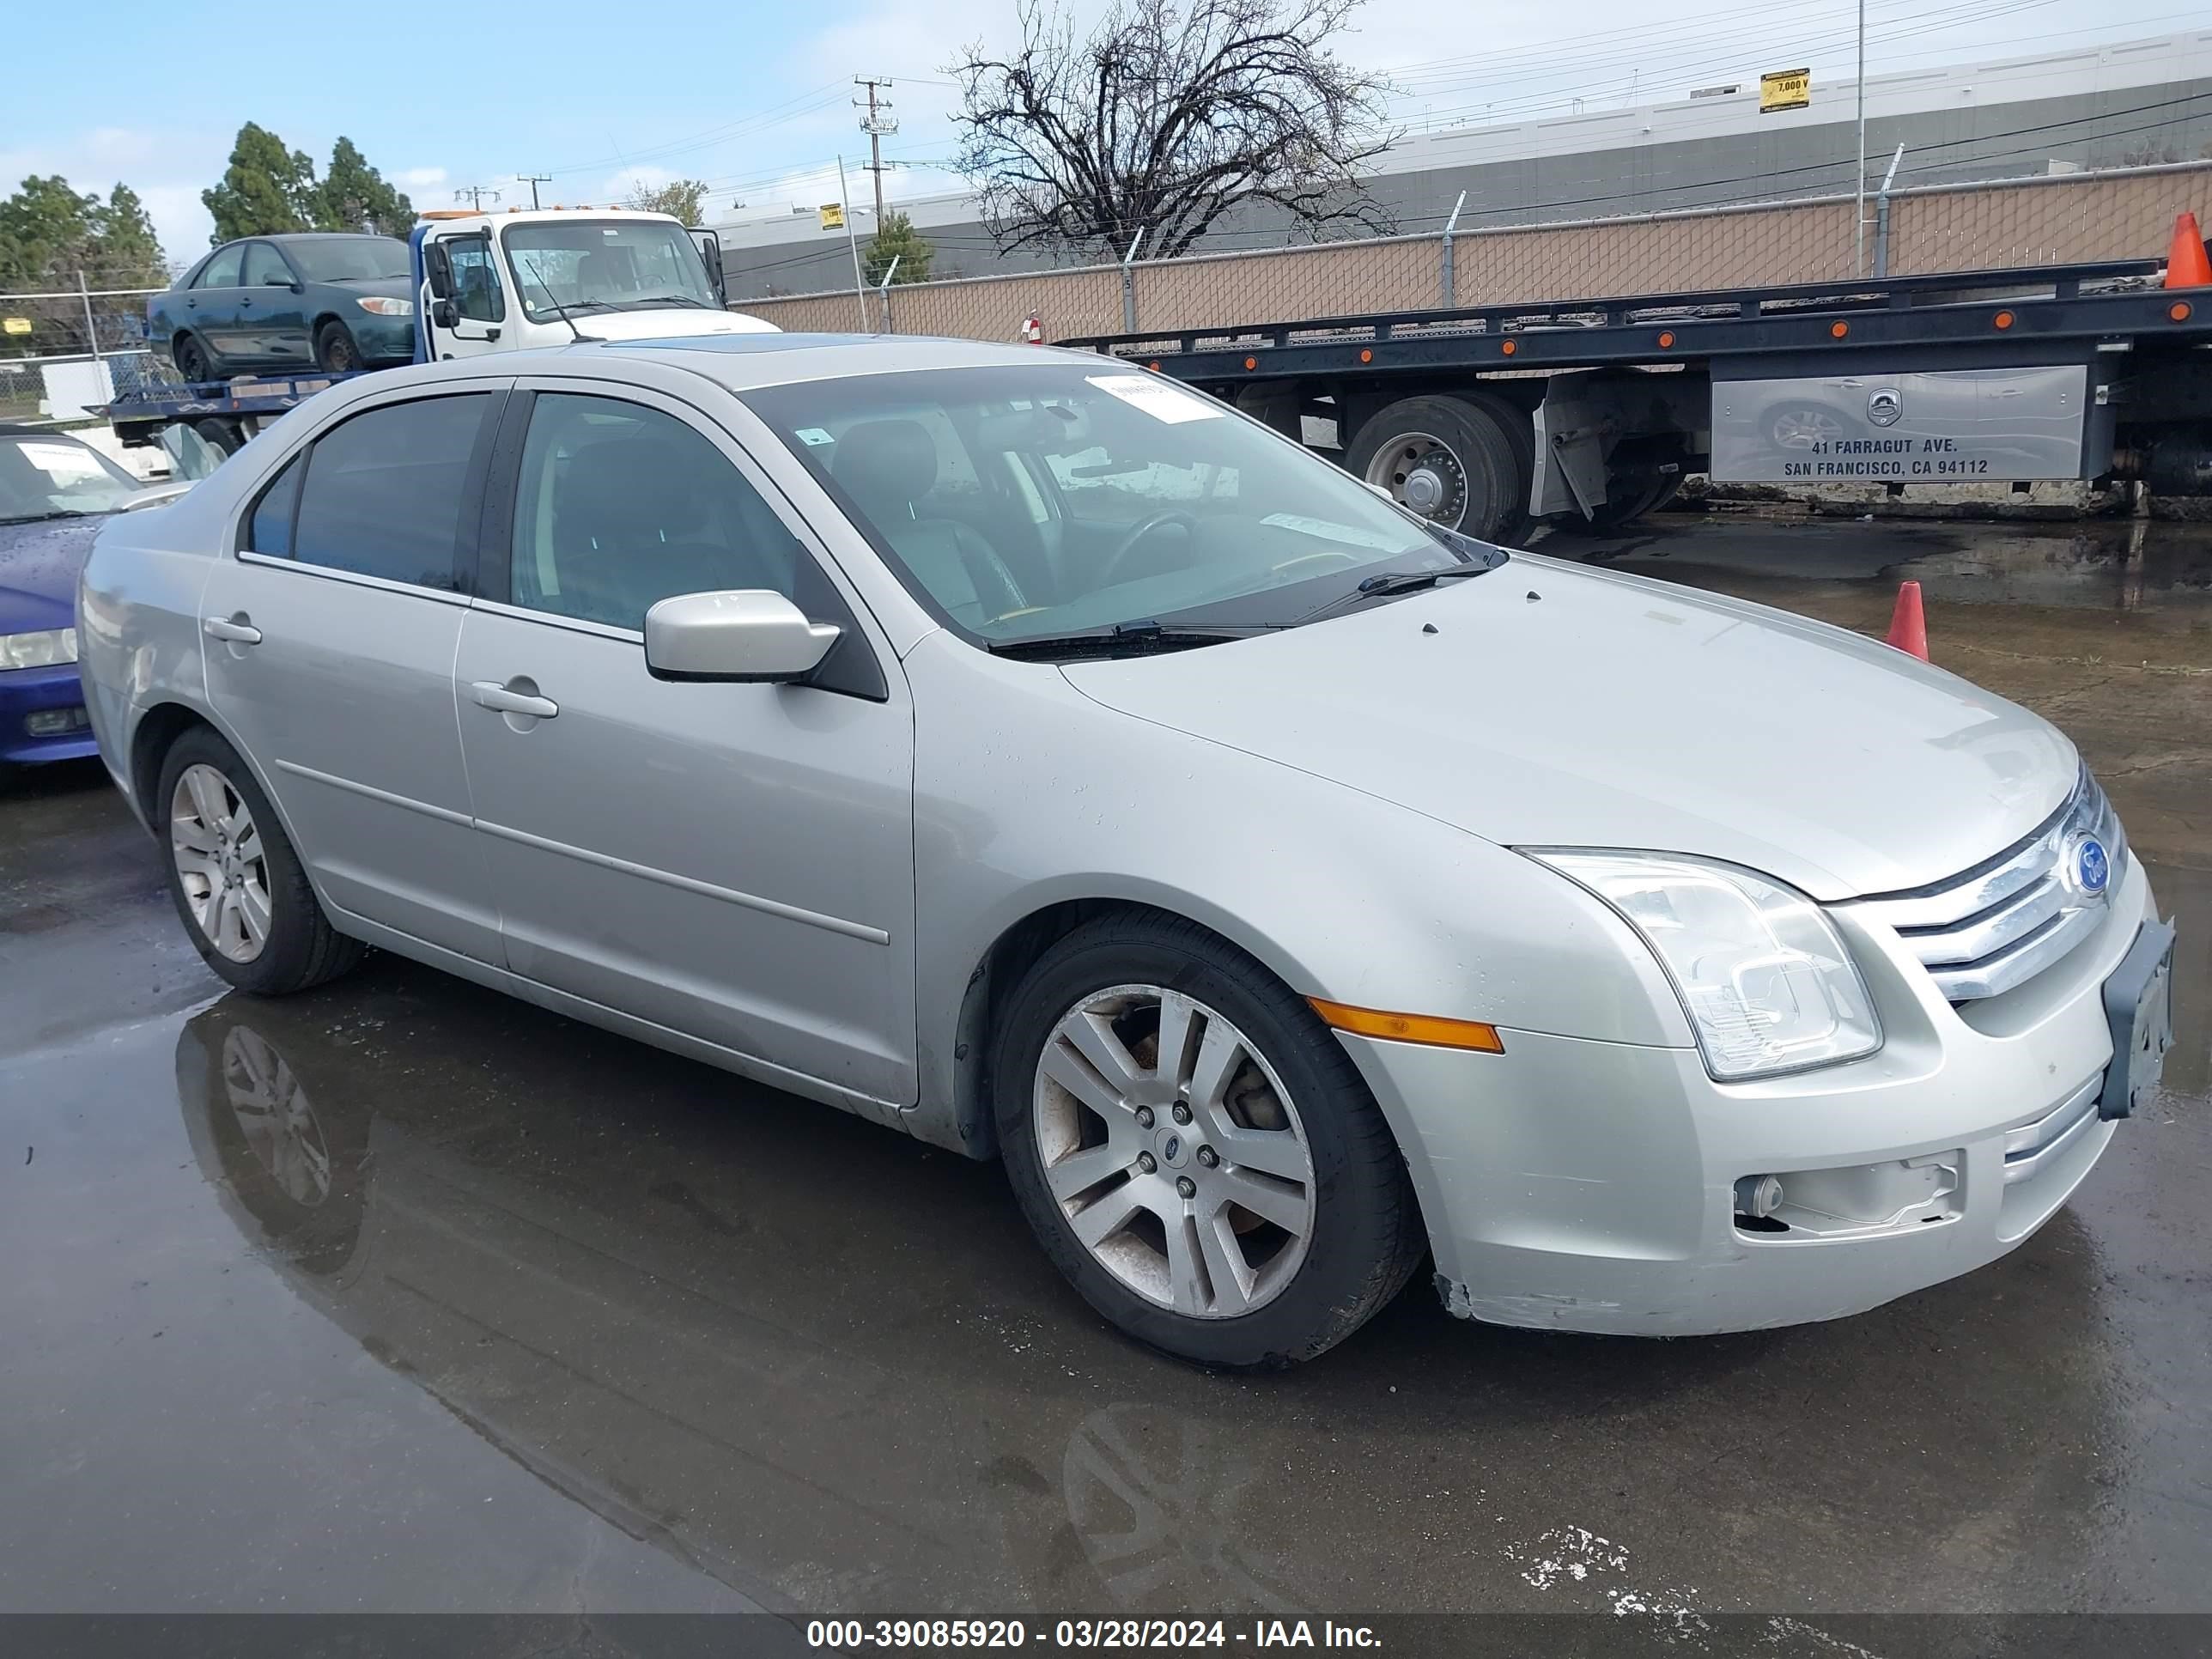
15	324
833	215
1785	89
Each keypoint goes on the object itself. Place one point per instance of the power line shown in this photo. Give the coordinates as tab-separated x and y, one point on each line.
534	179
877	123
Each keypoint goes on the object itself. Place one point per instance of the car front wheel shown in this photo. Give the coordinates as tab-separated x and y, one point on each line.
238	885
1195	1149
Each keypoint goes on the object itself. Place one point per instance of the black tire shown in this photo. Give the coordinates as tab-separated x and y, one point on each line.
193	367
1367	1235
1512	420
1648	496
336	350
1476	440
222	435
302	948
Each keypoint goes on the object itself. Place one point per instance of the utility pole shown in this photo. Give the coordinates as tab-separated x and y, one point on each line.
1858	247
877	121
534	179
474	195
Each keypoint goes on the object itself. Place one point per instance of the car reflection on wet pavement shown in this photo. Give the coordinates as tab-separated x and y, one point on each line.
402	1294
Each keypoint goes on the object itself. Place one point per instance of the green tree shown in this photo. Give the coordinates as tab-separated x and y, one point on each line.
265	189
51	234
130	251
683	199
355	195
897	239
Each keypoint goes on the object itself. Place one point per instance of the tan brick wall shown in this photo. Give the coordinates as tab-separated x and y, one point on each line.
2118	215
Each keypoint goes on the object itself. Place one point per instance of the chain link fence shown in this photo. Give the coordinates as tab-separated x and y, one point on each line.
62	348
2118	214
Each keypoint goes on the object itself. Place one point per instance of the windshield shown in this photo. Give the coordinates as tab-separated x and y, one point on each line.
350	259
45	475
1025	502
598	264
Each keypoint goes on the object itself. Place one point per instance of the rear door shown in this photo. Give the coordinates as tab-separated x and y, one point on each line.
269	312
330	657
211	309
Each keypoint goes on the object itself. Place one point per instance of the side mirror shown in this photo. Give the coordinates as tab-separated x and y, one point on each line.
710	250
743	634
443	313
440	267
1384	491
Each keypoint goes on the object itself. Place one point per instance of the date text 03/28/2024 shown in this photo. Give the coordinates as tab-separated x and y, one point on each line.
857	1635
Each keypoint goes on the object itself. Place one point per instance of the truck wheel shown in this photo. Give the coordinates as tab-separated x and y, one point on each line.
1521	438
335	353
1637	498
191	360
220	435
1447	458
1195	1150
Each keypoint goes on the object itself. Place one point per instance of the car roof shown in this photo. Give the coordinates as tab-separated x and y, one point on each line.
20	430
311	236
744	362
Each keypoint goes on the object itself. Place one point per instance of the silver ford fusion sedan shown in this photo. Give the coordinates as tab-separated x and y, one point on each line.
1044	760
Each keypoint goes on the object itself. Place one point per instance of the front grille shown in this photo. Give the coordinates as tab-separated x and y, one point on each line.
2005	921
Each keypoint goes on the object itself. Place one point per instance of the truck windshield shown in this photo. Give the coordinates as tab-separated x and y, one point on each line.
585	266
350	259
1026	503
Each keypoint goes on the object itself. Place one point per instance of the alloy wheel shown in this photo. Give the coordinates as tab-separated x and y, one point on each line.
220	865
1174	1151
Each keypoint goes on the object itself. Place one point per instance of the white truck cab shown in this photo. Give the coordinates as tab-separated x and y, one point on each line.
509	282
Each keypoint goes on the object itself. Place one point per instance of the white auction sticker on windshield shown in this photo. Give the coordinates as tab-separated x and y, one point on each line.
1163	400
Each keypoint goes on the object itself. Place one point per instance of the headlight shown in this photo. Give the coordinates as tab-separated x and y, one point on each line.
383	308
41	650
1765	980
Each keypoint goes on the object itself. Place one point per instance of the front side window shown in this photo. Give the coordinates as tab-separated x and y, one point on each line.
265	267
476	279
585	266
1024	503
383	492
619	505
222	270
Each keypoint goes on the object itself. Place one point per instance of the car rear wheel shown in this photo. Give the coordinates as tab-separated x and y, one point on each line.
238	885
336	352
1195	1149
191	361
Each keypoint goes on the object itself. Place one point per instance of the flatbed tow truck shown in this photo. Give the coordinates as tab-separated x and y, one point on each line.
1587	413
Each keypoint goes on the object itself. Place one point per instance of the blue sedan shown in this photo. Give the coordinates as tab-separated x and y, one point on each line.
55	493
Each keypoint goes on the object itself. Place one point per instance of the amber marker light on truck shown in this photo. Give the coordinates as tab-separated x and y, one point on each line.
1428	1029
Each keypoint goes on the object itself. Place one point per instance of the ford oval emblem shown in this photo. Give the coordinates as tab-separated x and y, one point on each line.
2091	867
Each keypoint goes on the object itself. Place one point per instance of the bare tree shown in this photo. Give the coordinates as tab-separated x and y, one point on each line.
1166	117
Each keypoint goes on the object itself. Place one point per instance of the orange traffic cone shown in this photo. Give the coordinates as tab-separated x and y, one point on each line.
1908	627
2185	264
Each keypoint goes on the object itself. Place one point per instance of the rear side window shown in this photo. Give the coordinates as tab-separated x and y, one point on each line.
221	271
384	492
270	530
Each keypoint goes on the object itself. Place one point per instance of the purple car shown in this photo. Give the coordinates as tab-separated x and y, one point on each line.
55	493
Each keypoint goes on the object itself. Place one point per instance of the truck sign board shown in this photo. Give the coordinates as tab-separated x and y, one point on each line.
1950	426
1780	89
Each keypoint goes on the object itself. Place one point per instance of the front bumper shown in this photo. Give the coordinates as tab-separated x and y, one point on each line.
1583	1186
383	340
42	715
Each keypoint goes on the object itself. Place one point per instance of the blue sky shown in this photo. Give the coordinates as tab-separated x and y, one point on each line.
755	99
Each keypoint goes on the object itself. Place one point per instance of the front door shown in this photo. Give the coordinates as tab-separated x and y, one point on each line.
270	313
330	657
479	300
733	862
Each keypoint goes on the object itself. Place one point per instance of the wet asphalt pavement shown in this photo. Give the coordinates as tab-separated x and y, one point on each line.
403	1295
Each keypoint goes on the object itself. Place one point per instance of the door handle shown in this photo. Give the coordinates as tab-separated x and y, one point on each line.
238	633
247	300
490	694
192	305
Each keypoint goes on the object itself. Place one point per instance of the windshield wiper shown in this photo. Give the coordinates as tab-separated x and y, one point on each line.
1390	586
1124	640
669	299
57	513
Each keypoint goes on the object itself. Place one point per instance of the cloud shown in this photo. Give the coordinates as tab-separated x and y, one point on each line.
168	166
422	177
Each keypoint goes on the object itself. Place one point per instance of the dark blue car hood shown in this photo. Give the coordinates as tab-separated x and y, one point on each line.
39	564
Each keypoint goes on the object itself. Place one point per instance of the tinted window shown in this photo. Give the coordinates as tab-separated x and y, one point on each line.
621	505
270	530
476	281
384	492
221	271
264	268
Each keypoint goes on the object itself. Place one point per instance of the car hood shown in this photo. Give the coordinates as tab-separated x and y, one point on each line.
391	288
39	564
1557	706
